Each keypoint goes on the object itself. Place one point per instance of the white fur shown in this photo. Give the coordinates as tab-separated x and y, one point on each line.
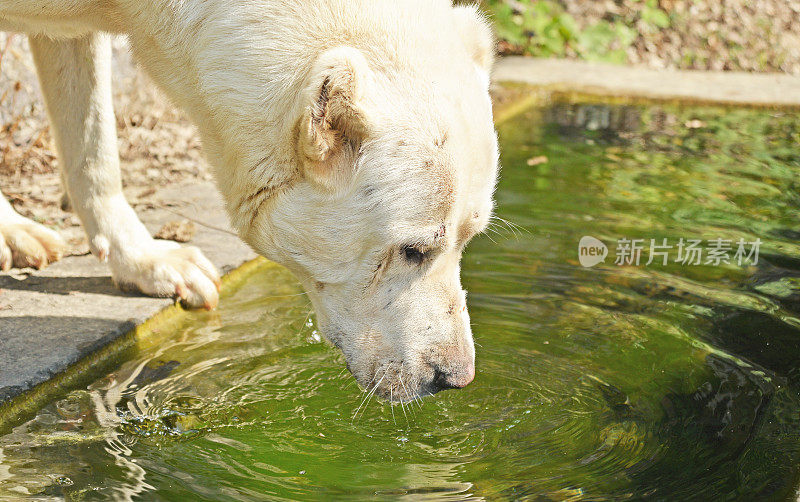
340	133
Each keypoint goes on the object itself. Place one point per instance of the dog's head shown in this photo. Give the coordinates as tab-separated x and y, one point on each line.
397	164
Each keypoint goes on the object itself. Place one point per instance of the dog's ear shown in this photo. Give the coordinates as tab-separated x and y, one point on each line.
476	35
334	122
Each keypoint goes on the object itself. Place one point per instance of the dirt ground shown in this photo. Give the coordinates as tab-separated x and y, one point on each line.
157	144
747	35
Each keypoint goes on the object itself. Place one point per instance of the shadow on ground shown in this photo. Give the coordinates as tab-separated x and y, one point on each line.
102	285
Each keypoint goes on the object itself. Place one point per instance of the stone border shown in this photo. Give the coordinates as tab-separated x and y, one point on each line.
96	364
768	90
53	320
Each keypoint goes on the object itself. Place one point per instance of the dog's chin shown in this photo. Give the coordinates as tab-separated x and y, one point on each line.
388	379
390	384
392	395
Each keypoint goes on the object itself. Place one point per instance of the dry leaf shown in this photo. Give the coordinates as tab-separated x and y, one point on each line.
178	231
535	161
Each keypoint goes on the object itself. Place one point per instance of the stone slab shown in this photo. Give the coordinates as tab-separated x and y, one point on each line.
732	88
51	319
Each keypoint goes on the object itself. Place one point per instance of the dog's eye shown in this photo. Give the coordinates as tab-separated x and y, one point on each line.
414	255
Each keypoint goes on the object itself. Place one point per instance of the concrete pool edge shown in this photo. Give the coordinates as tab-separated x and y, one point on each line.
634	84
102	360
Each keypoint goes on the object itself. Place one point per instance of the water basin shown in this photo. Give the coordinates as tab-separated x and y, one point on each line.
619	381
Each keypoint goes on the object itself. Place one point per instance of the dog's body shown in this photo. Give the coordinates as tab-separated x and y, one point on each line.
351	139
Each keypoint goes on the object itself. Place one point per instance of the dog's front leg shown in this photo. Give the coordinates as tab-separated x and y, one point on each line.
25	243
75	77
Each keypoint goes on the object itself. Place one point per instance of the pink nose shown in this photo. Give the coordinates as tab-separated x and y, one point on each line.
455	378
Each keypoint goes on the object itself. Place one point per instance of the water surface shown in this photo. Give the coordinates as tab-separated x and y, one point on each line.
666	382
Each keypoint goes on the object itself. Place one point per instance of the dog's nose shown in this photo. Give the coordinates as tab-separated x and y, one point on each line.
454	379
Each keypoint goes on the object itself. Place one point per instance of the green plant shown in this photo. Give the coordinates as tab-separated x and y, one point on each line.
606	41
543	28
653	16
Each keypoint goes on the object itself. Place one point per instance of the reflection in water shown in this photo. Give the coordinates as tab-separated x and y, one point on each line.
668	382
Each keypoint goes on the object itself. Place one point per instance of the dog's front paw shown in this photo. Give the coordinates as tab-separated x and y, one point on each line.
28	244
169	270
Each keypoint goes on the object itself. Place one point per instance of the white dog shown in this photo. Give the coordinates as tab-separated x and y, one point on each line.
352	141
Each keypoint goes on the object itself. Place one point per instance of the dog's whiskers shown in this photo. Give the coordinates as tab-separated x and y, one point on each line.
371	394
490	238
403	407
391	405
365	392
497	221
364	400
408	394
400	379
365	404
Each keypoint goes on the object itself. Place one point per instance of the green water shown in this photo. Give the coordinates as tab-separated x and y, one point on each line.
674	382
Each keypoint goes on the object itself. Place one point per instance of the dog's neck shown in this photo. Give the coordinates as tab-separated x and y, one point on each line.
200	60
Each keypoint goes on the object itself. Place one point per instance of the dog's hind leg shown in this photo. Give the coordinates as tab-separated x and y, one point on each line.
75	76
